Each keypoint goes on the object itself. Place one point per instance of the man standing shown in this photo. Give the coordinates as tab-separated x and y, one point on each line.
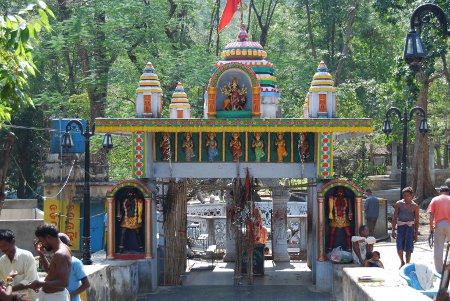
17	263
406	218
53	288
78	280
371	210
439	210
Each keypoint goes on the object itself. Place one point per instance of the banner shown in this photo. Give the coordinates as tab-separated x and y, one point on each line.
65	216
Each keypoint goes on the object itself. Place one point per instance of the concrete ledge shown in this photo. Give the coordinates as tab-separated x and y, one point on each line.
118	280
393	287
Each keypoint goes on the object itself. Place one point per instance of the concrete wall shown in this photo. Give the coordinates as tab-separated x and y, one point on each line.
24	231
13	214
20	204
118	280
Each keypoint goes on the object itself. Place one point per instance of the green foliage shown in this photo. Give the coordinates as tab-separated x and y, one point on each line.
18	31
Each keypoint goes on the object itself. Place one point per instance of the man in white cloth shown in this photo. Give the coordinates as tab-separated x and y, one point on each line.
53	288
361	245
17	263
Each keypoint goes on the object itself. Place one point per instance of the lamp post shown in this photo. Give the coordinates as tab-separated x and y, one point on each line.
387	129
414	52
67	142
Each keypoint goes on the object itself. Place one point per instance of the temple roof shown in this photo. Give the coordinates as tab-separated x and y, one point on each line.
322	80
149	81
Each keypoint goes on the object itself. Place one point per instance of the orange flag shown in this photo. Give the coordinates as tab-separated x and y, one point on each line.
228	13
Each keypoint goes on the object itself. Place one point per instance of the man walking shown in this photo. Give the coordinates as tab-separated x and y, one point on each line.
53	288
406	219
371	211
17	263
439	210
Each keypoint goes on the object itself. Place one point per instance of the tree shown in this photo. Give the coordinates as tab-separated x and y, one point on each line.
18	31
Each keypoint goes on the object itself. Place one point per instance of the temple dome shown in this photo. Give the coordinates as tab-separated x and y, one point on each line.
179	96
149	81
322	80
252	55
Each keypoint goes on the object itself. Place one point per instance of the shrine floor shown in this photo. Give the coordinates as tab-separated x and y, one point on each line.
205	281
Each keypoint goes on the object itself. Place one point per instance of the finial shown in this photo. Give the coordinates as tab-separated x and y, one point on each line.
242	35
322	67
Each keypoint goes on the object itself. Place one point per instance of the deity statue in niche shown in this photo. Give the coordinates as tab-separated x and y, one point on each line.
303	147
236	96
236	146
211	145
164	147
280	144
258	145
129	216
188	147
340	214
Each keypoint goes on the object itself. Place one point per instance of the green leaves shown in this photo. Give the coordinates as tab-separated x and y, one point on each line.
16	62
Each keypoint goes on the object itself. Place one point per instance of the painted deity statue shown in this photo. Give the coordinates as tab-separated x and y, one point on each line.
236	96
236	146
340	215
303	147
258	145
188	147
280	144
129	215
164	147
242	36
211	145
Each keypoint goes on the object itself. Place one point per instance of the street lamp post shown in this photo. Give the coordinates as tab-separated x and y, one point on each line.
387	129
67	142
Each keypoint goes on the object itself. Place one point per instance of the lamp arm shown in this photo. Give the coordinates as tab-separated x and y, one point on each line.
394	110
418	111
435	10
77	123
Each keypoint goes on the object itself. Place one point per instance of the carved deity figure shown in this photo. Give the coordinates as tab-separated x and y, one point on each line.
129	215
242	36
211	145
258	145
303	147
164	147
340	215
280	144
236	146
236	96
188	147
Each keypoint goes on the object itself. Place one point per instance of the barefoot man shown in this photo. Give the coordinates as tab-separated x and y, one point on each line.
406	218
53	288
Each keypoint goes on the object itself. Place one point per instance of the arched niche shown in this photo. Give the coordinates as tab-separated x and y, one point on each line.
115	198
245	77
354	193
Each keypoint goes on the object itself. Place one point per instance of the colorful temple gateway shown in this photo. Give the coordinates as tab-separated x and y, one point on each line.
242	130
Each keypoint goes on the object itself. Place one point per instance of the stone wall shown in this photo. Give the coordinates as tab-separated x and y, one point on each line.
24	231
118	280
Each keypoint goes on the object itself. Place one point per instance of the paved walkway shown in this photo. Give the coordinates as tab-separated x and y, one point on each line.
281	281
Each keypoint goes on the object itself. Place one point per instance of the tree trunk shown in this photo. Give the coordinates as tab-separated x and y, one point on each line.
421	178
310	31
348	38
437	149
175	219
5	154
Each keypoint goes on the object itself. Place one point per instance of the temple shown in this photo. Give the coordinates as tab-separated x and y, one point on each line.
242	130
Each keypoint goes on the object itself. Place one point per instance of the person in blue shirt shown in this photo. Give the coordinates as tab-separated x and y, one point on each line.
78	280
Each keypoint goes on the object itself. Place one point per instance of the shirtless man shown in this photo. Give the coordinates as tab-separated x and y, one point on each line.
53	288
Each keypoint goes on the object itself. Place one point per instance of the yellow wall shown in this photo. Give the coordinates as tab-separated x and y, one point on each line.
57	212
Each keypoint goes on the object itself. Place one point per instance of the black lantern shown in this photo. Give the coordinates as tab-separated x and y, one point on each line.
414	52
